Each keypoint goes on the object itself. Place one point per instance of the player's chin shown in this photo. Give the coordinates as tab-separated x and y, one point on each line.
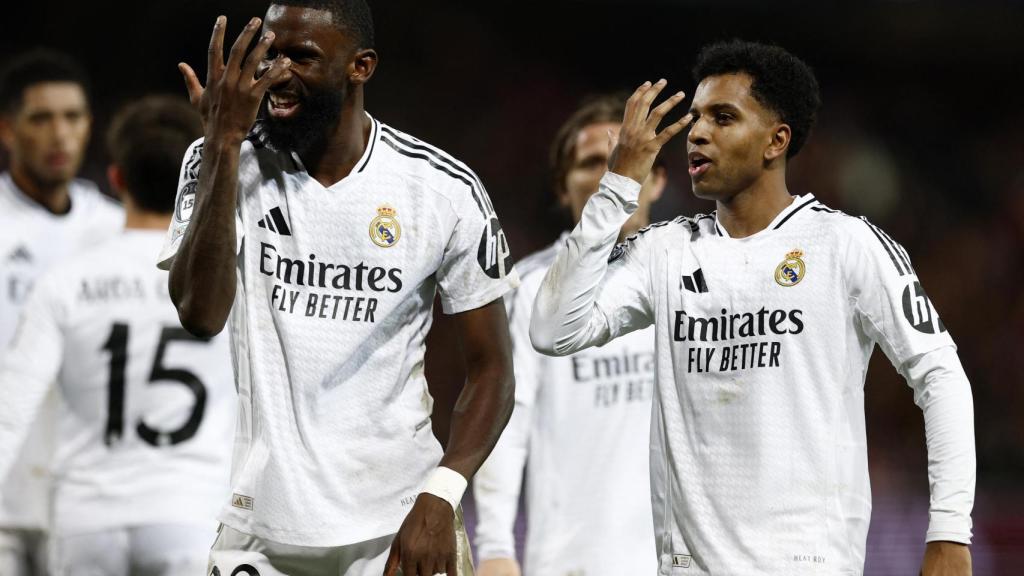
704	189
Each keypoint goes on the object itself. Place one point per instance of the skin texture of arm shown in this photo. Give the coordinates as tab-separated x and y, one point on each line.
425	544
202	277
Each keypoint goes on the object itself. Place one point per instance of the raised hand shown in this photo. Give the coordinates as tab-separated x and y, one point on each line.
230	101
639	141
425	544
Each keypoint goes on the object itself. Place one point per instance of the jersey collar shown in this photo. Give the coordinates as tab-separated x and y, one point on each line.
799	203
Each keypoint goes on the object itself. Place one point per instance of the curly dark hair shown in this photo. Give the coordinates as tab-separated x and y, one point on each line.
352	16
37	66
780	81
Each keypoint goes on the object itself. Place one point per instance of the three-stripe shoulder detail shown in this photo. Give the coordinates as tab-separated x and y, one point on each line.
897	254
411	147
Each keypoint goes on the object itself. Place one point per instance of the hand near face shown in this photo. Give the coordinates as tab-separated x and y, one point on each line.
639	142
231	99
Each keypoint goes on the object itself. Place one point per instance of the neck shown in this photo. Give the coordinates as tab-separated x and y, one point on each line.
344	146
753	208
135	218
53	197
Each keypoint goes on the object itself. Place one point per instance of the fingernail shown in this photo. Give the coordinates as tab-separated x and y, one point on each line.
254	22
648	83
219	22
662	81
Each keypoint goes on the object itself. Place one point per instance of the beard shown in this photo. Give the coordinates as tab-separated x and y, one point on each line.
307	131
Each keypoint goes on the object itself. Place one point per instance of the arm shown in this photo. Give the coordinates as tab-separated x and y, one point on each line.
202	275
895	312
567	315
425	544
498	482
28	369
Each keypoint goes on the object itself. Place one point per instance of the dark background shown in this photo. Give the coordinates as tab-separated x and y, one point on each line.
920	131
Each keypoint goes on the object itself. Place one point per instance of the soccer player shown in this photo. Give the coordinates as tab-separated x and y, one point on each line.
583	421
758	458
46	214
147	410
326	234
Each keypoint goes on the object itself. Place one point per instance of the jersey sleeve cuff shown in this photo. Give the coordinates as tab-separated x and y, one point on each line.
624	186
949	530
480	298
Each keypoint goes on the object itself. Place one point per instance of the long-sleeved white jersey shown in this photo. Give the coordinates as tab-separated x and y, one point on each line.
31	240
759	461
146	411
581	426
334	293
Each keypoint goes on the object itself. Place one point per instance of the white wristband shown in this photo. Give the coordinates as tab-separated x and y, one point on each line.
446	484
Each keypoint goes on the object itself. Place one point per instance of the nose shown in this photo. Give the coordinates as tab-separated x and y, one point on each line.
265	65
698	133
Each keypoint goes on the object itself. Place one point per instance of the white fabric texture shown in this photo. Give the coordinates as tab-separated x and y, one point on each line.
145	410
758	457
31	240
334	293
581	427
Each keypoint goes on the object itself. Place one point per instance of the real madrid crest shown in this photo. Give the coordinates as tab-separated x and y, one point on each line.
384	229
791	271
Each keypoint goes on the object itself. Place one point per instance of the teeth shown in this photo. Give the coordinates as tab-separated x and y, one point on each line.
282	101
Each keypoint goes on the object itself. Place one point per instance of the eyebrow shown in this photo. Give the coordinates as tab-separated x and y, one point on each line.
717	107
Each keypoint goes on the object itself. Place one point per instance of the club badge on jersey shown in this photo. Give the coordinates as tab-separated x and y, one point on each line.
791	271
385	229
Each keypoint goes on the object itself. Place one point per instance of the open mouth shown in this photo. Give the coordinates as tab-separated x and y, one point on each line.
283	105
699	164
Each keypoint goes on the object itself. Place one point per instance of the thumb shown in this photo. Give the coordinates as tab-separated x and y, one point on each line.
391	567
195	89
613	147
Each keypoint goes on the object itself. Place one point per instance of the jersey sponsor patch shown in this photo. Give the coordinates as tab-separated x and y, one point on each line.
918	310
241	501
791	270
494	256
385	229
681	560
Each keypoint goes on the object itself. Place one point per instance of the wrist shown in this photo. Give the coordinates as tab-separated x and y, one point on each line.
446	484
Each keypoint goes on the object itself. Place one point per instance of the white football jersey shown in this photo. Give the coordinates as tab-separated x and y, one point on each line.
146	411
582	426
334	293
31	240
758	455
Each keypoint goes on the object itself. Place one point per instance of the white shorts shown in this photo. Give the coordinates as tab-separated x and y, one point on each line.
238	554
154	550
22	552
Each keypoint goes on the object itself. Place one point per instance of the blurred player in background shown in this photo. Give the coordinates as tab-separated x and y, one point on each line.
759	459
326	234
582	423
147	410
45	215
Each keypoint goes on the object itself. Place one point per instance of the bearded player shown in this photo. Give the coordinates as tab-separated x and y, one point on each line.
320	236
758	454
582	423
46	215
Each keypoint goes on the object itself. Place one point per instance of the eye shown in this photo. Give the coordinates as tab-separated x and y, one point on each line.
723	118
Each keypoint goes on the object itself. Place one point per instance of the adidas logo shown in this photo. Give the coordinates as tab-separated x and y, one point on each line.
275	222
20	254
241	501
696	282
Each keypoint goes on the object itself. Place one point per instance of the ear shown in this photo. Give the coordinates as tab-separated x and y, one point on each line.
361	69
779	143
657	180
116	178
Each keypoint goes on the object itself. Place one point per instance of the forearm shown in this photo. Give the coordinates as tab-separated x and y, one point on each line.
496	489
943	393
565	315
481	413
202	277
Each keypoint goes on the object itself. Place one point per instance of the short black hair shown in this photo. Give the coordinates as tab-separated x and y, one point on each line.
147	140
351	16
36	67
780	81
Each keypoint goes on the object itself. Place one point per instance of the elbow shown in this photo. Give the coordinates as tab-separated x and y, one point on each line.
543	339
198	324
